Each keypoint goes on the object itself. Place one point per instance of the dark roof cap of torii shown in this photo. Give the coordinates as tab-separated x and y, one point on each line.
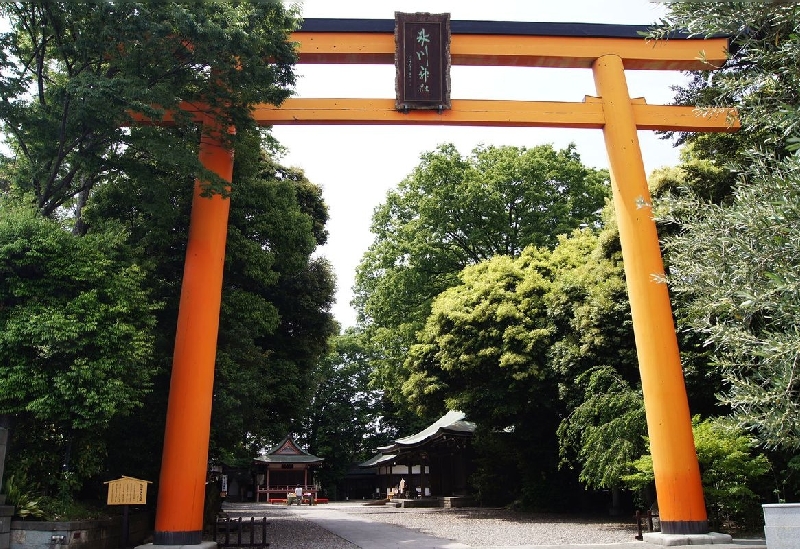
588	30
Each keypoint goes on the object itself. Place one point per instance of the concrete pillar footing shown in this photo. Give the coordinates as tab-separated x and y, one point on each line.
712	538
201	545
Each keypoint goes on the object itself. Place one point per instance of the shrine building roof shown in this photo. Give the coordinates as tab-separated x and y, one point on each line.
287	451
452	423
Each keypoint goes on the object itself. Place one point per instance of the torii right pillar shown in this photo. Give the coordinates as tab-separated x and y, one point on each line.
677	473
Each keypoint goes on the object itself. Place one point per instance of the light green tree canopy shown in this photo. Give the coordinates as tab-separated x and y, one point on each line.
484	345
454	211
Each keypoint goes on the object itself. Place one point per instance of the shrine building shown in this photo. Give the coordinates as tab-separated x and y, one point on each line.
284	467
433	464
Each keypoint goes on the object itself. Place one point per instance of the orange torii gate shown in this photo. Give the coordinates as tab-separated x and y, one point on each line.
608	50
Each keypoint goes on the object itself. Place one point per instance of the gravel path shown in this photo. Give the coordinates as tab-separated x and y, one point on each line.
501	527
472	526
285	529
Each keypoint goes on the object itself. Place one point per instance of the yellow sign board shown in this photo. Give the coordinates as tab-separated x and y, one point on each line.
127	491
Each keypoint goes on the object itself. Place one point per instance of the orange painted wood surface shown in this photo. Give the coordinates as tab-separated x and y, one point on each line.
466	112
474	112
515	50
184	463
677	474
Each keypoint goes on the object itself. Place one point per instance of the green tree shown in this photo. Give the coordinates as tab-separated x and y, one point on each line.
275	319
483	351
484	345
604	432
344	419
759	78
742	296
452	212
76	341
73	74
565	359
594	358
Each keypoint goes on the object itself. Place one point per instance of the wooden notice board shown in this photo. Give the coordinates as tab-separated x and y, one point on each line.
127	491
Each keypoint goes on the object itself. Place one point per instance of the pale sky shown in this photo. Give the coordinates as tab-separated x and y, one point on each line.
357	165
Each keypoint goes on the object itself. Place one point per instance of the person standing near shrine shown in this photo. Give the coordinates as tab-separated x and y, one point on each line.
298	494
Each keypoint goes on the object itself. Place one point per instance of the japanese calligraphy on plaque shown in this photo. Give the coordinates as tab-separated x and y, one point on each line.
127	491
422	60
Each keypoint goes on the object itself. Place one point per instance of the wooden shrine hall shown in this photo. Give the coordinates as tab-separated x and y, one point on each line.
436	462
284	467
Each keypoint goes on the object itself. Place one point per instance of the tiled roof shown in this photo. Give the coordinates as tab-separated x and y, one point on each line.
452	422
287	451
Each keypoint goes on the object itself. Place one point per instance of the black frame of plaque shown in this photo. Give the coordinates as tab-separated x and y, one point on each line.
422	61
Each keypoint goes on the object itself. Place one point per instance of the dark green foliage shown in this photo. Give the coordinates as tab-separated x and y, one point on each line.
604	432
344	414
728	224
275	318
74	72
76	341
23	497
72	77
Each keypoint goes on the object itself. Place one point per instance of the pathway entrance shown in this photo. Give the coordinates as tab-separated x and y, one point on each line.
608	50
351	525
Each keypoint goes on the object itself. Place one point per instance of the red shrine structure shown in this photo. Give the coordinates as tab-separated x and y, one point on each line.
283	468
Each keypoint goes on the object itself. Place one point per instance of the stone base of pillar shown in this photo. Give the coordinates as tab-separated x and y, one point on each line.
712	538
201	545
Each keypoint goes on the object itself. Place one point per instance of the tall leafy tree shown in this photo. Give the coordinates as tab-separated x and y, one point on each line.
275	318
344	421
76	342
452	212
483	351
484	345
594	358
541	347
759	78
74	74
737	245
742	295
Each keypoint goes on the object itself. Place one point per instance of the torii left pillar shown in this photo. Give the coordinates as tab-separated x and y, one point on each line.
181	491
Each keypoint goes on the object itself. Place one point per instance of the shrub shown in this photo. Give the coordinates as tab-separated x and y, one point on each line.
20	494
730	474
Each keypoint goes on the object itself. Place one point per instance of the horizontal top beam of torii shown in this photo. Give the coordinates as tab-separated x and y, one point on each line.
498	43
512	43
